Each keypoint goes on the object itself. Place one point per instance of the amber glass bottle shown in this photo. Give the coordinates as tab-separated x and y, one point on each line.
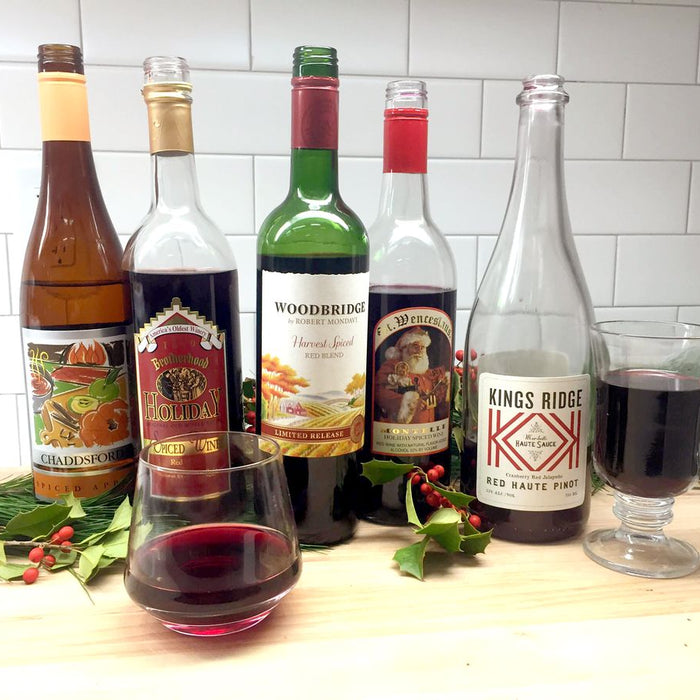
74	308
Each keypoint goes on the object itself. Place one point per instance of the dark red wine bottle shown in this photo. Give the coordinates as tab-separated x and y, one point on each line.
412	310
184	281
312	314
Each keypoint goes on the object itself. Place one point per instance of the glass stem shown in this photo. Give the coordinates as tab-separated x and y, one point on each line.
643	516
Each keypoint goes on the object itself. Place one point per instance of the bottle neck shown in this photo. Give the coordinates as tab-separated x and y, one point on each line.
537	203
172	148
314	160
174	181
404	194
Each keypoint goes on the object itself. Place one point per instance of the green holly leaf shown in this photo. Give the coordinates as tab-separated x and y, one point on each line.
89	561
411	558
64	560
458	434
76	507
381	471
443	527
475	544
456	498
411	508
11	572
121	520
3	556
116	545
37	523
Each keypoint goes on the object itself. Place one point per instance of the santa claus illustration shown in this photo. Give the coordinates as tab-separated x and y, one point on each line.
407	389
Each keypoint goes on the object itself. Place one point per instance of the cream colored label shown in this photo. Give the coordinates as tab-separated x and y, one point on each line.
314	344
64	110
533	435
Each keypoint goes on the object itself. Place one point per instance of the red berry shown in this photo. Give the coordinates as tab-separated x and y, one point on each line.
460	371
433	499
472	374
432	474
36	554
65	533
66	546
473	354
426	489
48	561
440	470
55	538
445	502
459	355
30	575
416	479
475	520
250	429
250	417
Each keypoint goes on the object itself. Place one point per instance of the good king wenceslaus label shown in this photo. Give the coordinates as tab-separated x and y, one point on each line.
181	373
532	440
412	352
314	344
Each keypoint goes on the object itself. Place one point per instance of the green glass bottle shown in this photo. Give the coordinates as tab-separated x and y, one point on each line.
312	292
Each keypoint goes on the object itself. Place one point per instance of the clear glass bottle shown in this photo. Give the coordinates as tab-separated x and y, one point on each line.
412	306
313	283
74	305
184	280
527	387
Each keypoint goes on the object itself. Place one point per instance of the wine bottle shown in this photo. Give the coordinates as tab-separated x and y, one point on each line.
184	280
412	305
313	283
74	306
528	382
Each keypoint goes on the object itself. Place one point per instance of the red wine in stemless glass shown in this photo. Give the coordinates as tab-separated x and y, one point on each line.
647	432
213	575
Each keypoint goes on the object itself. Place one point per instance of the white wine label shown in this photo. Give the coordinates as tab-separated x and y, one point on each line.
314	351
532	436
412	355
79	410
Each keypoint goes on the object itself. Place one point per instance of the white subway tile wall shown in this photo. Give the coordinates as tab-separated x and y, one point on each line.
632	137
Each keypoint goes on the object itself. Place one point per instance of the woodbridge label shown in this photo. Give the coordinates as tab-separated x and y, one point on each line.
79	410
314	344
412	351
181	374
532	441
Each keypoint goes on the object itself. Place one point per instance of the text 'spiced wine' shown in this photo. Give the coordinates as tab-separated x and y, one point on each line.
184	281
527	388
312	314
74	306
412	306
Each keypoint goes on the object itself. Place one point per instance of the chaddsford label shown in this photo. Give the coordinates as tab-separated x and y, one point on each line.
532	441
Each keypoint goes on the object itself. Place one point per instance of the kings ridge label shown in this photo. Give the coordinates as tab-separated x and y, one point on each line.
532	437
181	374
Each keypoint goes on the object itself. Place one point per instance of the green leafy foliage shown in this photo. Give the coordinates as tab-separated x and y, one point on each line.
448	527
380	471
101	527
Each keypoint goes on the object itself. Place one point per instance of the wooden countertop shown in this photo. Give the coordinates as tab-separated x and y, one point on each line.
521	621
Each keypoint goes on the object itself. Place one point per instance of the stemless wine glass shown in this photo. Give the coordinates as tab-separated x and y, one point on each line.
646	443
213	545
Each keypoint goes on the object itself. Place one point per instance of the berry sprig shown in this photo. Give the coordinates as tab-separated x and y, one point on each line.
451	524
47	537
248	390
38	556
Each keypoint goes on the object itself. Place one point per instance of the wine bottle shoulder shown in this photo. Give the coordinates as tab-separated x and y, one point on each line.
297	227
165	241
